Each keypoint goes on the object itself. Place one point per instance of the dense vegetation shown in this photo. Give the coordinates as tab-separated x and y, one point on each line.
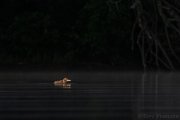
157	31
86	31
65	31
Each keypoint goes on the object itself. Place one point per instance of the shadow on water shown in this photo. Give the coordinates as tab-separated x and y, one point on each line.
91	96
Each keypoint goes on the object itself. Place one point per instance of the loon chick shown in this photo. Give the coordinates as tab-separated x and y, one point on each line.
63	81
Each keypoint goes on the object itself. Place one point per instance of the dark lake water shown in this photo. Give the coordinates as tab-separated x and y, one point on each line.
91	96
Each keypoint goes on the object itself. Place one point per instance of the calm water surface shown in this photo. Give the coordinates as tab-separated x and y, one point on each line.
91	96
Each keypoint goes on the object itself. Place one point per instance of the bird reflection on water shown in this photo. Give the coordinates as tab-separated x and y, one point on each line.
64	85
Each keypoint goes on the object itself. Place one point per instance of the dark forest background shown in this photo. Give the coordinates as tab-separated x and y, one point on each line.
68	32
65	32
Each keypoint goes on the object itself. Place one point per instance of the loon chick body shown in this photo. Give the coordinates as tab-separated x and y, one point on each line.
65	80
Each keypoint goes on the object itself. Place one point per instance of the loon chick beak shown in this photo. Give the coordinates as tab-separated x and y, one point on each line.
68	80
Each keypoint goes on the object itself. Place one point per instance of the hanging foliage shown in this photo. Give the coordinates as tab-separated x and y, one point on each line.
156	31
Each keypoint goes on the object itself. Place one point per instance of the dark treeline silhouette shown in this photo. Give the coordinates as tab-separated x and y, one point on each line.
67	32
